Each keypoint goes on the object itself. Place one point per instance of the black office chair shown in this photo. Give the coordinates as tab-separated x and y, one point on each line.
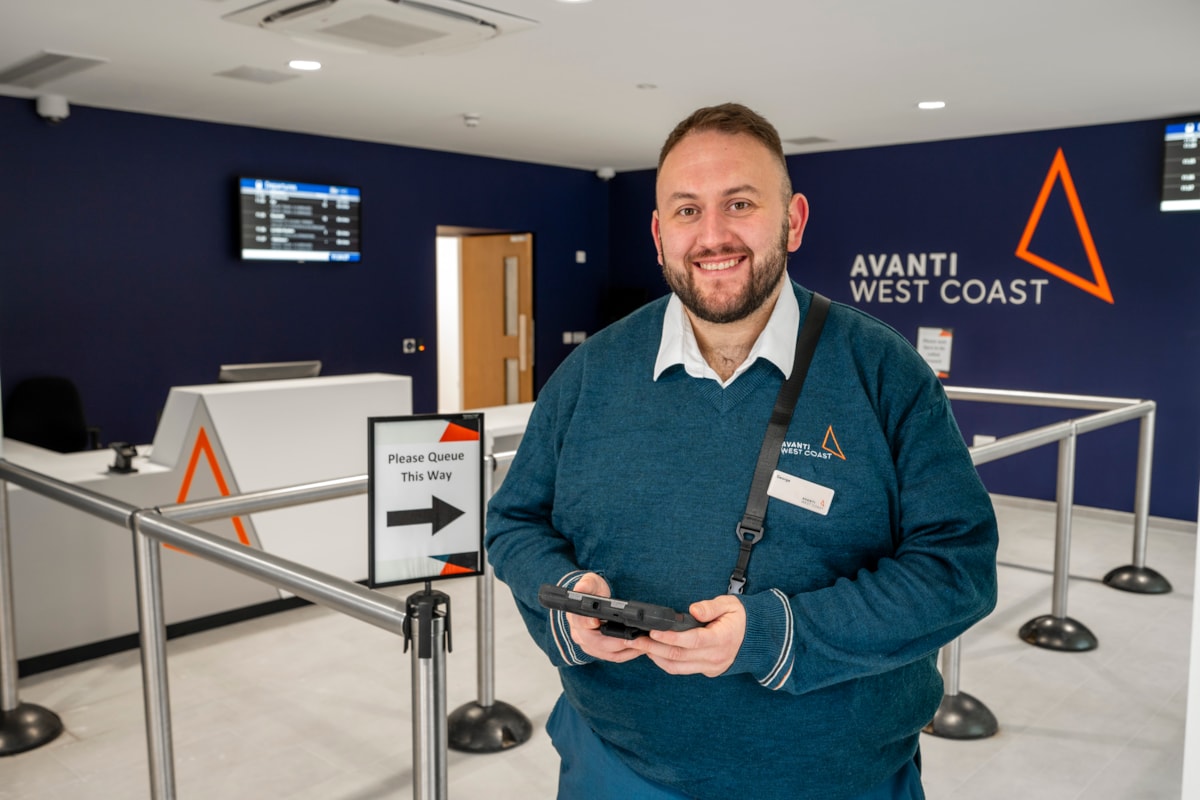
48	412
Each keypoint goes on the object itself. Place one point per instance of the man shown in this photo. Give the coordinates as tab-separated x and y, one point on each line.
634	472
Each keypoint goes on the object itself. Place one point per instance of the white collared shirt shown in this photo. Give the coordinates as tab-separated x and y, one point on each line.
777	342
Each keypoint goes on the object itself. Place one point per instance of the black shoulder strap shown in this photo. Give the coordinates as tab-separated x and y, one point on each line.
750	529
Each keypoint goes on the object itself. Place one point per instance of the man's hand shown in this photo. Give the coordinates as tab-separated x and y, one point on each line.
709	650
586	630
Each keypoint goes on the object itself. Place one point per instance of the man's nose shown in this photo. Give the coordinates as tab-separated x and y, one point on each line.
714	232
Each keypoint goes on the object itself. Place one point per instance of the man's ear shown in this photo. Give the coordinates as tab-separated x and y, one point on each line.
797	219
654	232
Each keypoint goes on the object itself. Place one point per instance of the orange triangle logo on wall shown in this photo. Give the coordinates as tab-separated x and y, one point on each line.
1098	286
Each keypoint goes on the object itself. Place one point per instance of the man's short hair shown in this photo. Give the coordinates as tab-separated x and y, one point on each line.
732	119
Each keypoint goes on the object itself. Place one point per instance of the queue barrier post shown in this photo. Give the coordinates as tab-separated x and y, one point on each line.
959	715
152	633
487	725
1057	631
1137	577
23	726
427	629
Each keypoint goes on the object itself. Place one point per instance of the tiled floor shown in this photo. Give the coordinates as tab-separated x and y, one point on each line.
313	706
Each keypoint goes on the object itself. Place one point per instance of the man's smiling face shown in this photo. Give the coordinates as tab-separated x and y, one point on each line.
724	224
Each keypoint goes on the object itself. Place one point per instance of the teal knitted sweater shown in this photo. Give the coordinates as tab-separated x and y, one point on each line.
644	481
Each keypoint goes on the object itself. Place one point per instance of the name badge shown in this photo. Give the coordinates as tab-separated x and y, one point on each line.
800	492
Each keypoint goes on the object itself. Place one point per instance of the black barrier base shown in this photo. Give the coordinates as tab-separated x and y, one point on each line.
961	716
27	726
476	729
1142	580
1059	633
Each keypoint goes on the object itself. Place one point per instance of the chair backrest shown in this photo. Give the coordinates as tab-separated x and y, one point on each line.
48	412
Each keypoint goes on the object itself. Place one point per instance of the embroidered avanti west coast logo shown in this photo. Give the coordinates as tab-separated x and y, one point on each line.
829	447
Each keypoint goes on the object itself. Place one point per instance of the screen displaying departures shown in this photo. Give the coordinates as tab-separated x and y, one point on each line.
1181	189
290	221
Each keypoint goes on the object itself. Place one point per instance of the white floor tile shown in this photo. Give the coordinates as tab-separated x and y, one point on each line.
309	705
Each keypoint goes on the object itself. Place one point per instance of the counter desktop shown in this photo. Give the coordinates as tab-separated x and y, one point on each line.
73	574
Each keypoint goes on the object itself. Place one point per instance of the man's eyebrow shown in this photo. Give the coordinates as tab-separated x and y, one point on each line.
676	196
746	188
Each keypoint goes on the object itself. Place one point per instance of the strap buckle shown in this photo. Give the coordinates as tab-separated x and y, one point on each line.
748	533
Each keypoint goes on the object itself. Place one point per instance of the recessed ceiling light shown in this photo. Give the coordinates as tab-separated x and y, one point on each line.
928	105
306	66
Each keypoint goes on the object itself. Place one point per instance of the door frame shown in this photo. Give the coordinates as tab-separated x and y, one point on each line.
448	312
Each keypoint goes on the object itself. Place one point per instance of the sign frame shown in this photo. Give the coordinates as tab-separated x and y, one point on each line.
427	452
935	346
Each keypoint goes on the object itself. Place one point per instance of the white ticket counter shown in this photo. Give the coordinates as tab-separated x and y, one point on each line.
73	575
503	428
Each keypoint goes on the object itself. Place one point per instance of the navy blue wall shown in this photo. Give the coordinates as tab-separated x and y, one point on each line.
120	270
974	197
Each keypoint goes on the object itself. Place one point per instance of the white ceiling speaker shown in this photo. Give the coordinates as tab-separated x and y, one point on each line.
53	108
394	27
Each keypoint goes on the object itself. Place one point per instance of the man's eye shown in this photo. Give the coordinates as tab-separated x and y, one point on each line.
687	212
740	205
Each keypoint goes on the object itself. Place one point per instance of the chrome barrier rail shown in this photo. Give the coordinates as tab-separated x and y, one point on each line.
150	527
485	726
1136	577
488	724
961	716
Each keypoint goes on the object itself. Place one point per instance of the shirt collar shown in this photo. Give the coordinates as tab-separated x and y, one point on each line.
777	342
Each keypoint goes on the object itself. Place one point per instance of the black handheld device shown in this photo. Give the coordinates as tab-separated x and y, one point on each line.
626	619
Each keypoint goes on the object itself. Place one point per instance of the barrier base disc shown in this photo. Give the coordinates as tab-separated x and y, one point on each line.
477	729
27	726
1059	633
961	716
1142	580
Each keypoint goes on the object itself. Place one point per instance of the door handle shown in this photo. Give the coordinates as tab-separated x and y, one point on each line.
522	338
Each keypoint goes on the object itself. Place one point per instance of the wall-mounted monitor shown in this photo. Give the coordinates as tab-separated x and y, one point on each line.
1181	166
292	221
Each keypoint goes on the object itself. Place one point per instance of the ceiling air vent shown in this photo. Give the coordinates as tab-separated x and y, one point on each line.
256	75
394	27
806	141
45	67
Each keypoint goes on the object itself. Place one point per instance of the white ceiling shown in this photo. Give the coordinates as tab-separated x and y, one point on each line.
566	91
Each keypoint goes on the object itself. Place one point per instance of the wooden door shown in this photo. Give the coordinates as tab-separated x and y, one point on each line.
497	319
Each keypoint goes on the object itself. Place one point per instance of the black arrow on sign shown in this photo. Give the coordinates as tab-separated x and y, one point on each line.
440	515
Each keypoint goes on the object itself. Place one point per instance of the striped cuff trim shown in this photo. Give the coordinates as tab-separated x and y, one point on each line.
560	629
782	671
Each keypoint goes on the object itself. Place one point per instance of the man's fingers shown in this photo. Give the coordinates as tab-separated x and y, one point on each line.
592	583
708	610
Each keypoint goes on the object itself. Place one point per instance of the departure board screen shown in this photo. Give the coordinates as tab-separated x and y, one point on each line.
289	221
1181	152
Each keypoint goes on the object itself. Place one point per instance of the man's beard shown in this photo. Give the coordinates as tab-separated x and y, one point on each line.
764	277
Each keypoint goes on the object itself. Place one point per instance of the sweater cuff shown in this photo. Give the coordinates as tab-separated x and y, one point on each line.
560	629
768	650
